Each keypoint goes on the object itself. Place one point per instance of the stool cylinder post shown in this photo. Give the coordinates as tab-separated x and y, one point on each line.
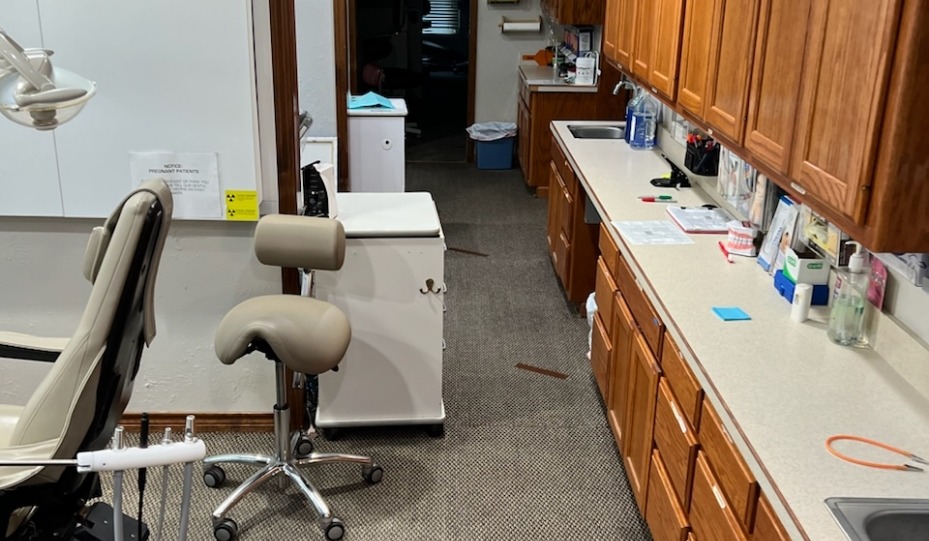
282	415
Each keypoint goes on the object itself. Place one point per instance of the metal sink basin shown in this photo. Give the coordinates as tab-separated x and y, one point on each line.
597	132
881	519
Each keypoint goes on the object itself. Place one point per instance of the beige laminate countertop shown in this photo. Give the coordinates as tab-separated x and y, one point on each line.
542	79
781	387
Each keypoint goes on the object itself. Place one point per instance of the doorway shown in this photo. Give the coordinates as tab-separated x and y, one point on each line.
421	51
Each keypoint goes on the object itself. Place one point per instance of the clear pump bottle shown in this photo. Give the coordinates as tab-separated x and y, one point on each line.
851	315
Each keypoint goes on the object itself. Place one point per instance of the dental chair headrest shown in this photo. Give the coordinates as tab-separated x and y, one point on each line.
300	242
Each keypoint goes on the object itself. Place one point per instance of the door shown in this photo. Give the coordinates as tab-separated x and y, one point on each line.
644	37
846	70
618	403
695	55
610	28
554	204
523	131
666	47
625	31
775	87
730	66
642	395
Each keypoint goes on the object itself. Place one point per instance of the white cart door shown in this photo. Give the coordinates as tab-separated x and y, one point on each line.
392	372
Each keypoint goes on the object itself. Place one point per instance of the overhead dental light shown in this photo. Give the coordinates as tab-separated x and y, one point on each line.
36	94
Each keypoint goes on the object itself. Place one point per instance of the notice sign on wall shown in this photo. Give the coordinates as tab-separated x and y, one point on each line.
192	176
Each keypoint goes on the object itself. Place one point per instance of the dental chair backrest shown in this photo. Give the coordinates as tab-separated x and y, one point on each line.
79	403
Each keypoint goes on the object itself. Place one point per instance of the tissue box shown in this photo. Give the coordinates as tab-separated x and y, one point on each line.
805	268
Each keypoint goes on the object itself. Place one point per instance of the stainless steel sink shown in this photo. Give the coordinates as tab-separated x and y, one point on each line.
881	519
597	132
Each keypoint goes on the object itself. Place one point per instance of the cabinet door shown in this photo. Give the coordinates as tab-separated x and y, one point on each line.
523	131
642	395
775	88
767	526
601	351
618	404
695	55
666	47
610	28
645	12
625	32
730	66
665	517
554	204
846	69
710	516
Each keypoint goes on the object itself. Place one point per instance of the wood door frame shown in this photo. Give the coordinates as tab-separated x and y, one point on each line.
343	12
286	122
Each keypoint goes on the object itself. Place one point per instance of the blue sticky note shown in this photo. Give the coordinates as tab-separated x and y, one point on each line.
732	313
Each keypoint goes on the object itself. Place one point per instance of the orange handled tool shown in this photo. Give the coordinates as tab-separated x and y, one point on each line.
880	465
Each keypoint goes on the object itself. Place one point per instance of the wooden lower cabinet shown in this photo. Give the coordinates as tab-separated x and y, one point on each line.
664	515
643	381
618	403
601	352
676	441
710	516
735	479
767	527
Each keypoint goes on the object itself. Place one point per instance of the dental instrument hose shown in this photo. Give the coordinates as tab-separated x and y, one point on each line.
143	443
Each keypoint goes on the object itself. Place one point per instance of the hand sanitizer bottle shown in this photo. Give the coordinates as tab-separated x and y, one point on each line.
851	314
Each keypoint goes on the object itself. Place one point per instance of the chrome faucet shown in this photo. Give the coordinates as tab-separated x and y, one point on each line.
624	83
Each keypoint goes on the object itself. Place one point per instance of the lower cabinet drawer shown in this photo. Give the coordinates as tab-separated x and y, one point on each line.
735	479
649	323
663	513
710	516
685	386
566	211
601	351
767	526
675	438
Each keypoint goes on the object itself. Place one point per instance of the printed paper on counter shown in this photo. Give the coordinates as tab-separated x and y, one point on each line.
192	176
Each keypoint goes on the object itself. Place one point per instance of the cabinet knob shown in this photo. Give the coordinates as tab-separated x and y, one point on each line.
800	189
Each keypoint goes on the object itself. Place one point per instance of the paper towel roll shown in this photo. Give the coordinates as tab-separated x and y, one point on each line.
522	26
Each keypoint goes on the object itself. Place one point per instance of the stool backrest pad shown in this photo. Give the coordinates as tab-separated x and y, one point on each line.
306	242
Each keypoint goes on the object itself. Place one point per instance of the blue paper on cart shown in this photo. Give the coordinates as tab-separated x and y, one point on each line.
368	101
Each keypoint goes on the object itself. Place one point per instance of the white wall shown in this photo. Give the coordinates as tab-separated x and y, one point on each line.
498	57
207	268
316	64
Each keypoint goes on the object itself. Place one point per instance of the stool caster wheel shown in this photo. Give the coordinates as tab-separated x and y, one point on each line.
214	477
332	433
372	474
227	530
334	529
303	446
436	431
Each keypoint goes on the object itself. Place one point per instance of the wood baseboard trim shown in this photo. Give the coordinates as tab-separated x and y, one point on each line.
205	422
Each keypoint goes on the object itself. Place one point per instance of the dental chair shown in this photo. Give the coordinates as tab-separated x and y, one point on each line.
306	335
77	406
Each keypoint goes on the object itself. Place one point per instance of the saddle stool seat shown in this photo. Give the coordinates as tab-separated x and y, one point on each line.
306	335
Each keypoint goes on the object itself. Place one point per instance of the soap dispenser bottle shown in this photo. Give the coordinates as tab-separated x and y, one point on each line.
851	314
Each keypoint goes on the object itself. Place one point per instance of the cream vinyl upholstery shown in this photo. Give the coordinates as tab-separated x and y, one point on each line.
62	415
305	242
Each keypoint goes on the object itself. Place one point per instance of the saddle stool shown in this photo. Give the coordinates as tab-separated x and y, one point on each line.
308	336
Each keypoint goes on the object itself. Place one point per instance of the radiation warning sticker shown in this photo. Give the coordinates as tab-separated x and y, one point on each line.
242	205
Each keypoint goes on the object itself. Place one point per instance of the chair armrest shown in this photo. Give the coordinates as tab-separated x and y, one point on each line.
26	347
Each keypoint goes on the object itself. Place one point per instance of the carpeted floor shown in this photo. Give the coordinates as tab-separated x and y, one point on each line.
525	456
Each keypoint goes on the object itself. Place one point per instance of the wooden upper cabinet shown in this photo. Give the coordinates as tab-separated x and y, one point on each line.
574	12
695	55
644	35
610	29
775	88
666	47
730	66
625	32
847	66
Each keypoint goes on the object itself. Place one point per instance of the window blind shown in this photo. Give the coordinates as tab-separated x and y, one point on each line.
443	17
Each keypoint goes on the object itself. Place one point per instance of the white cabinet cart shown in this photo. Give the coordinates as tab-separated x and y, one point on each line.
392	289
376	148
